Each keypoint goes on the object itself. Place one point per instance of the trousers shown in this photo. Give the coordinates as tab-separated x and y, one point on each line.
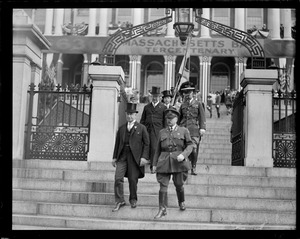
126	165
178	179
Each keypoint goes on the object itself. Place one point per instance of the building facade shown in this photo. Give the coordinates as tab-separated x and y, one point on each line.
77	37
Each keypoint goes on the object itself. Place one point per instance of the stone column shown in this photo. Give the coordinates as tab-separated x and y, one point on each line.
59	69
274	23
205	64
85	70
169	61
59	21
239	69
48	22
137	16
103	25
205	30
239	19
258	121
92	22
27	59
104	115
285	14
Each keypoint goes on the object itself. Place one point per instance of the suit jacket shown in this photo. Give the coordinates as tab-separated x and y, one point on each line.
138	142
192	116
153	118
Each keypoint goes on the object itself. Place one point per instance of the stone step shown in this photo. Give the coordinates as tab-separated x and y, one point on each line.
217	145
148	213
214	153
210	161
192	201
106	185
42	222
64	165
206	175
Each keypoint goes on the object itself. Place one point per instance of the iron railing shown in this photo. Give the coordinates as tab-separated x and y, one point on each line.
284	133
58	125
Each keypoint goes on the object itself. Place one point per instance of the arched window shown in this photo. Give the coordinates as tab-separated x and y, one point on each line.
154	75
220	77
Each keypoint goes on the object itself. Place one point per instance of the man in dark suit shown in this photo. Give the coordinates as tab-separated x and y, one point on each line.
153	119
131	154
166	98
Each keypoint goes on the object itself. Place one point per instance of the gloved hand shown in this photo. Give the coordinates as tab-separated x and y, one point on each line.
202	132
144	162
180	158
114	163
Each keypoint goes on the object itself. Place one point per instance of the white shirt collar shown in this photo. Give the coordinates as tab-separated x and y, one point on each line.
155	104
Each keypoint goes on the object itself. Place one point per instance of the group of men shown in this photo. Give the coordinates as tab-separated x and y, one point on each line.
165	138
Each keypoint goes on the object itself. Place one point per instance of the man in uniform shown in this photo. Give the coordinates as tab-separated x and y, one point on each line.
192	116
153	118
131	154
171	158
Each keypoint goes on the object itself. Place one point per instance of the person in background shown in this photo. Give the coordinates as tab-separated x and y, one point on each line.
153	118
209	105
192	116
131	154
167	97
171	158
218	103
228	102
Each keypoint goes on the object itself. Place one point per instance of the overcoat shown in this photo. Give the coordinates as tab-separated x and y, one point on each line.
169	146
153	117
192	116
138	141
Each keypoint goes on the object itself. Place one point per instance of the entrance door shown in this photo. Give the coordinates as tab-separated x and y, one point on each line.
219	82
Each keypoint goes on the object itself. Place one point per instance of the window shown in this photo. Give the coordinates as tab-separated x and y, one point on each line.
83	11
124	16
156	13
254	18
154	76
221	15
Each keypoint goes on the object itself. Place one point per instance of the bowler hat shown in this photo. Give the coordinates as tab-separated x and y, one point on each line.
166	93
187	86
155	90
131	108
171	113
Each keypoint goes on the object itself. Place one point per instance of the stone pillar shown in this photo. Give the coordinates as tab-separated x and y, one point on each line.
239	19
92	22
135	71
104	115
137	16
59	21
103	25
258	121
169	61
239	69
59	69
205	65
48	21
205	30
274	23
28	43
85	70
285	14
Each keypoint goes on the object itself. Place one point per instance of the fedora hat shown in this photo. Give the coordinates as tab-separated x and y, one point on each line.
187	86
131	108
155	90
171	113
167	93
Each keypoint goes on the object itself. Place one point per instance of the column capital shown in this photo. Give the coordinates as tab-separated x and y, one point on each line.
258	77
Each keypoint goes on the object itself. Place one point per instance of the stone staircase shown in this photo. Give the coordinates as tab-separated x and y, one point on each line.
49	194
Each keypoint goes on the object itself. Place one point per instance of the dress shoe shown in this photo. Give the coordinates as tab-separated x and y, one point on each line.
133	204
118	206
181	206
